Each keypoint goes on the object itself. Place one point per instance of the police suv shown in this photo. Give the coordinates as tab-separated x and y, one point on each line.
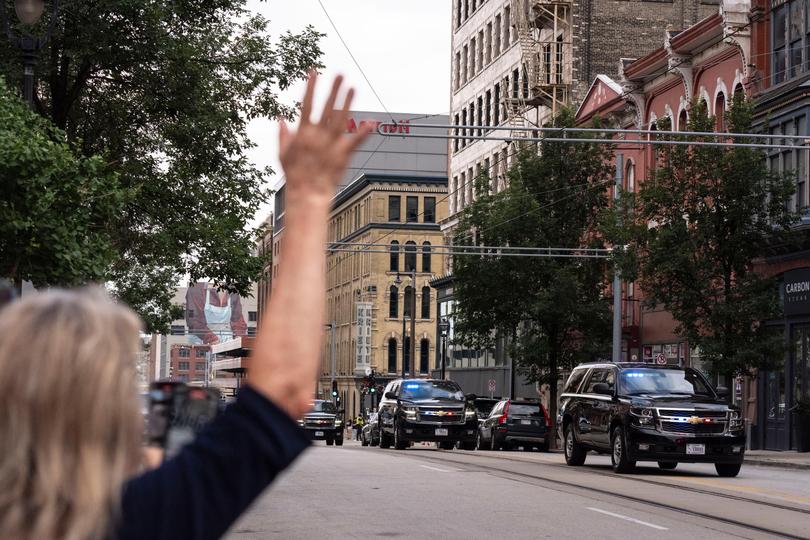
645	412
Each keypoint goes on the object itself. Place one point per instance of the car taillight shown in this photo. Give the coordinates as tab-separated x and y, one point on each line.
503	416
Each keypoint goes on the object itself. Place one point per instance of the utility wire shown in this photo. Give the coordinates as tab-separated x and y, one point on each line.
356	63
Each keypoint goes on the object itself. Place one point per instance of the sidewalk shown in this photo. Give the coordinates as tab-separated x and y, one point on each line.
788	460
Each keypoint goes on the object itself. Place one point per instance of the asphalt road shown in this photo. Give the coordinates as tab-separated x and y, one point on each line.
425	493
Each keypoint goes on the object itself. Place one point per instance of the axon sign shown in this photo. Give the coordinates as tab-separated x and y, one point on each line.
401	126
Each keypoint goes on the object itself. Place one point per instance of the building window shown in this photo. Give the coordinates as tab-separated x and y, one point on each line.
183	353
497	105
200	353
515	86
525	76
455	132
251	331
457	72
472	119
429	214
488	114
393	208
424	354
178	330
480	115
464	60
630	176
488	58
182	366
406	302
199	366
463	123
410	256
393	300
394	256
253	316
481	45
425	302
412	209
507	17
426	257
392	355
720	113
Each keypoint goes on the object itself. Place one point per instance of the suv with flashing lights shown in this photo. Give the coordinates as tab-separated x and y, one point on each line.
324	422
415	410
644	412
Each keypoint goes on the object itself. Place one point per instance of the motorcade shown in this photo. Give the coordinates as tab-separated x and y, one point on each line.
435	410
646	412
370	434
324	422
516	423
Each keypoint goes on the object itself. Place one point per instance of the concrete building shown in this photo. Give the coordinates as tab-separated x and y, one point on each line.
370	295
264	248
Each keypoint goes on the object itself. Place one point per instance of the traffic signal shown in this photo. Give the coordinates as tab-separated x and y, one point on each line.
372	389
334	389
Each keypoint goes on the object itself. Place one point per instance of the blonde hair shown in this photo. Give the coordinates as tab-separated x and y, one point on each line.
69	419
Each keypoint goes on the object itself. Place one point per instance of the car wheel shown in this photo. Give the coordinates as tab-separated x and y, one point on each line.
385	440
339	442
667	465
728	470
329	442
399	444
574	452
618	454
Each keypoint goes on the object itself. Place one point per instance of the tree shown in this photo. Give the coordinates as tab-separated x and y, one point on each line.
700	225
553	309
55	203
165	91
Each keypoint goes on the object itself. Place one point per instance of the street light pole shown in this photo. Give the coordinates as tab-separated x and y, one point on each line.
444	326
412	342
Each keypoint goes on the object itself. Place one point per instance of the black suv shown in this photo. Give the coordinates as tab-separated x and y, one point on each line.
426	410
513	423
644	412
324	422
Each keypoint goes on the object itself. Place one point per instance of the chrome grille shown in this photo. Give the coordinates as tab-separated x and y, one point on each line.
318	422
693	429
441	415
692	422
687	413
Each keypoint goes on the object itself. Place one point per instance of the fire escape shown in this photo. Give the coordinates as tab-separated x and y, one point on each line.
544	34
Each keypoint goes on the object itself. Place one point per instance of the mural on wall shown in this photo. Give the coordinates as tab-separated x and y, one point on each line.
213	316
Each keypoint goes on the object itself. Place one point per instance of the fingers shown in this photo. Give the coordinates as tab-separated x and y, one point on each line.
342	116
283	136
328	114
351	143
306	107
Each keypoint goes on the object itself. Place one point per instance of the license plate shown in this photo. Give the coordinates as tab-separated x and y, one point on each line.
319	433
695	449
526	422
441	432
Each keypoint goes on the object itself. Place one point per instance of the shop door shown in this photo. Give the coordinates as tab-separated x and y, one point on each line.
799	368
775	403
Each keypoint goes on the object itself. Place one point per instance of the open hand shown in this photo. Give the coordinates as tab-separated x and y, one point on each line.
315	157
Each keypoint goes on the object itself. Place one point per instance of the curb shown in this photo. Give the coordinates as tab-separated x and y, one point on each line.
779	464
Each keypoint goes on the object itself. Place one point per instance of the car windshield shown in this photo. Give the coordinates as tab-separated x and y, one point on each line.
663	381
431	390
324	407
525	409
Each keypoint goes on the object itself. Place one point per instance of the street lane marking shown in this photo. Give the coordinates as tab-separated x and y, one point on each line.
434	468
626	518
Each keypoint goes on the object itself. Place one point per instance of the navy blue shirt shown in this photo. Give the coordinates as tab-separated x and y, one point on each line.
201	492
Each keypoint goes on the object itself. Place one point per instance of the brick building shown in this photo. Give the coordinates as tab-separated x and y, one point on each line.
188	362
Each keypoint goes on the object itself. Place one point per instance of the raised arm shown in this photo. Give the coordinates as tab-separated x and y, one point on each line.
285	361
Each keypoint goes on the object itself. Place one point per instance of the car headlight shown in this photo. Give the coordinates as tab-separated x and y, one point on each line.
469	414
735	421
338	422
642	416
410	412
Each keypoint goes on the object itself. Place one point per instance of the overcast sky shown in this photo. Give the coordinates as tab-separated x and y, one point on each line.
403	48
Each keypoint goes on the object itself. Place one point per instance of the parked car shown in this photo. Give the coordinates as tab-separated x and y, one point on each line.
483	406
370	435
513	423
324	422
413	410
644	412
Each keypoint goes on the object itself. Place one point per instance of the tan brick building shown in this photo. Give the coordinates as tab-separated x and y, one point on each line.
365	301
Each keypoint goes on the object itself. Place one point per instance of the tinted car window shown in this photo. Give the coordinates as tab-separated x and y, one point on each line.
663	381
574	381
600	375
525	409
324	407
484	406
431	390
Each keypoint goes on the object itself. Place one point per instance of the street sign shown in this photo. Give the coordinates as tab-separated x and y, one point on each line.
660	359
492	385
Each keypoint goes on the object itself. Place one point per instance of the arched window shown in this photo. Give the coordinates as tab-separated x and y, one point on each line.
393	301
424	353
426	257
739	93
630	176
720	112
653	149
425	302
683	121
392	355
394	265
407	358
410	256
408	298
